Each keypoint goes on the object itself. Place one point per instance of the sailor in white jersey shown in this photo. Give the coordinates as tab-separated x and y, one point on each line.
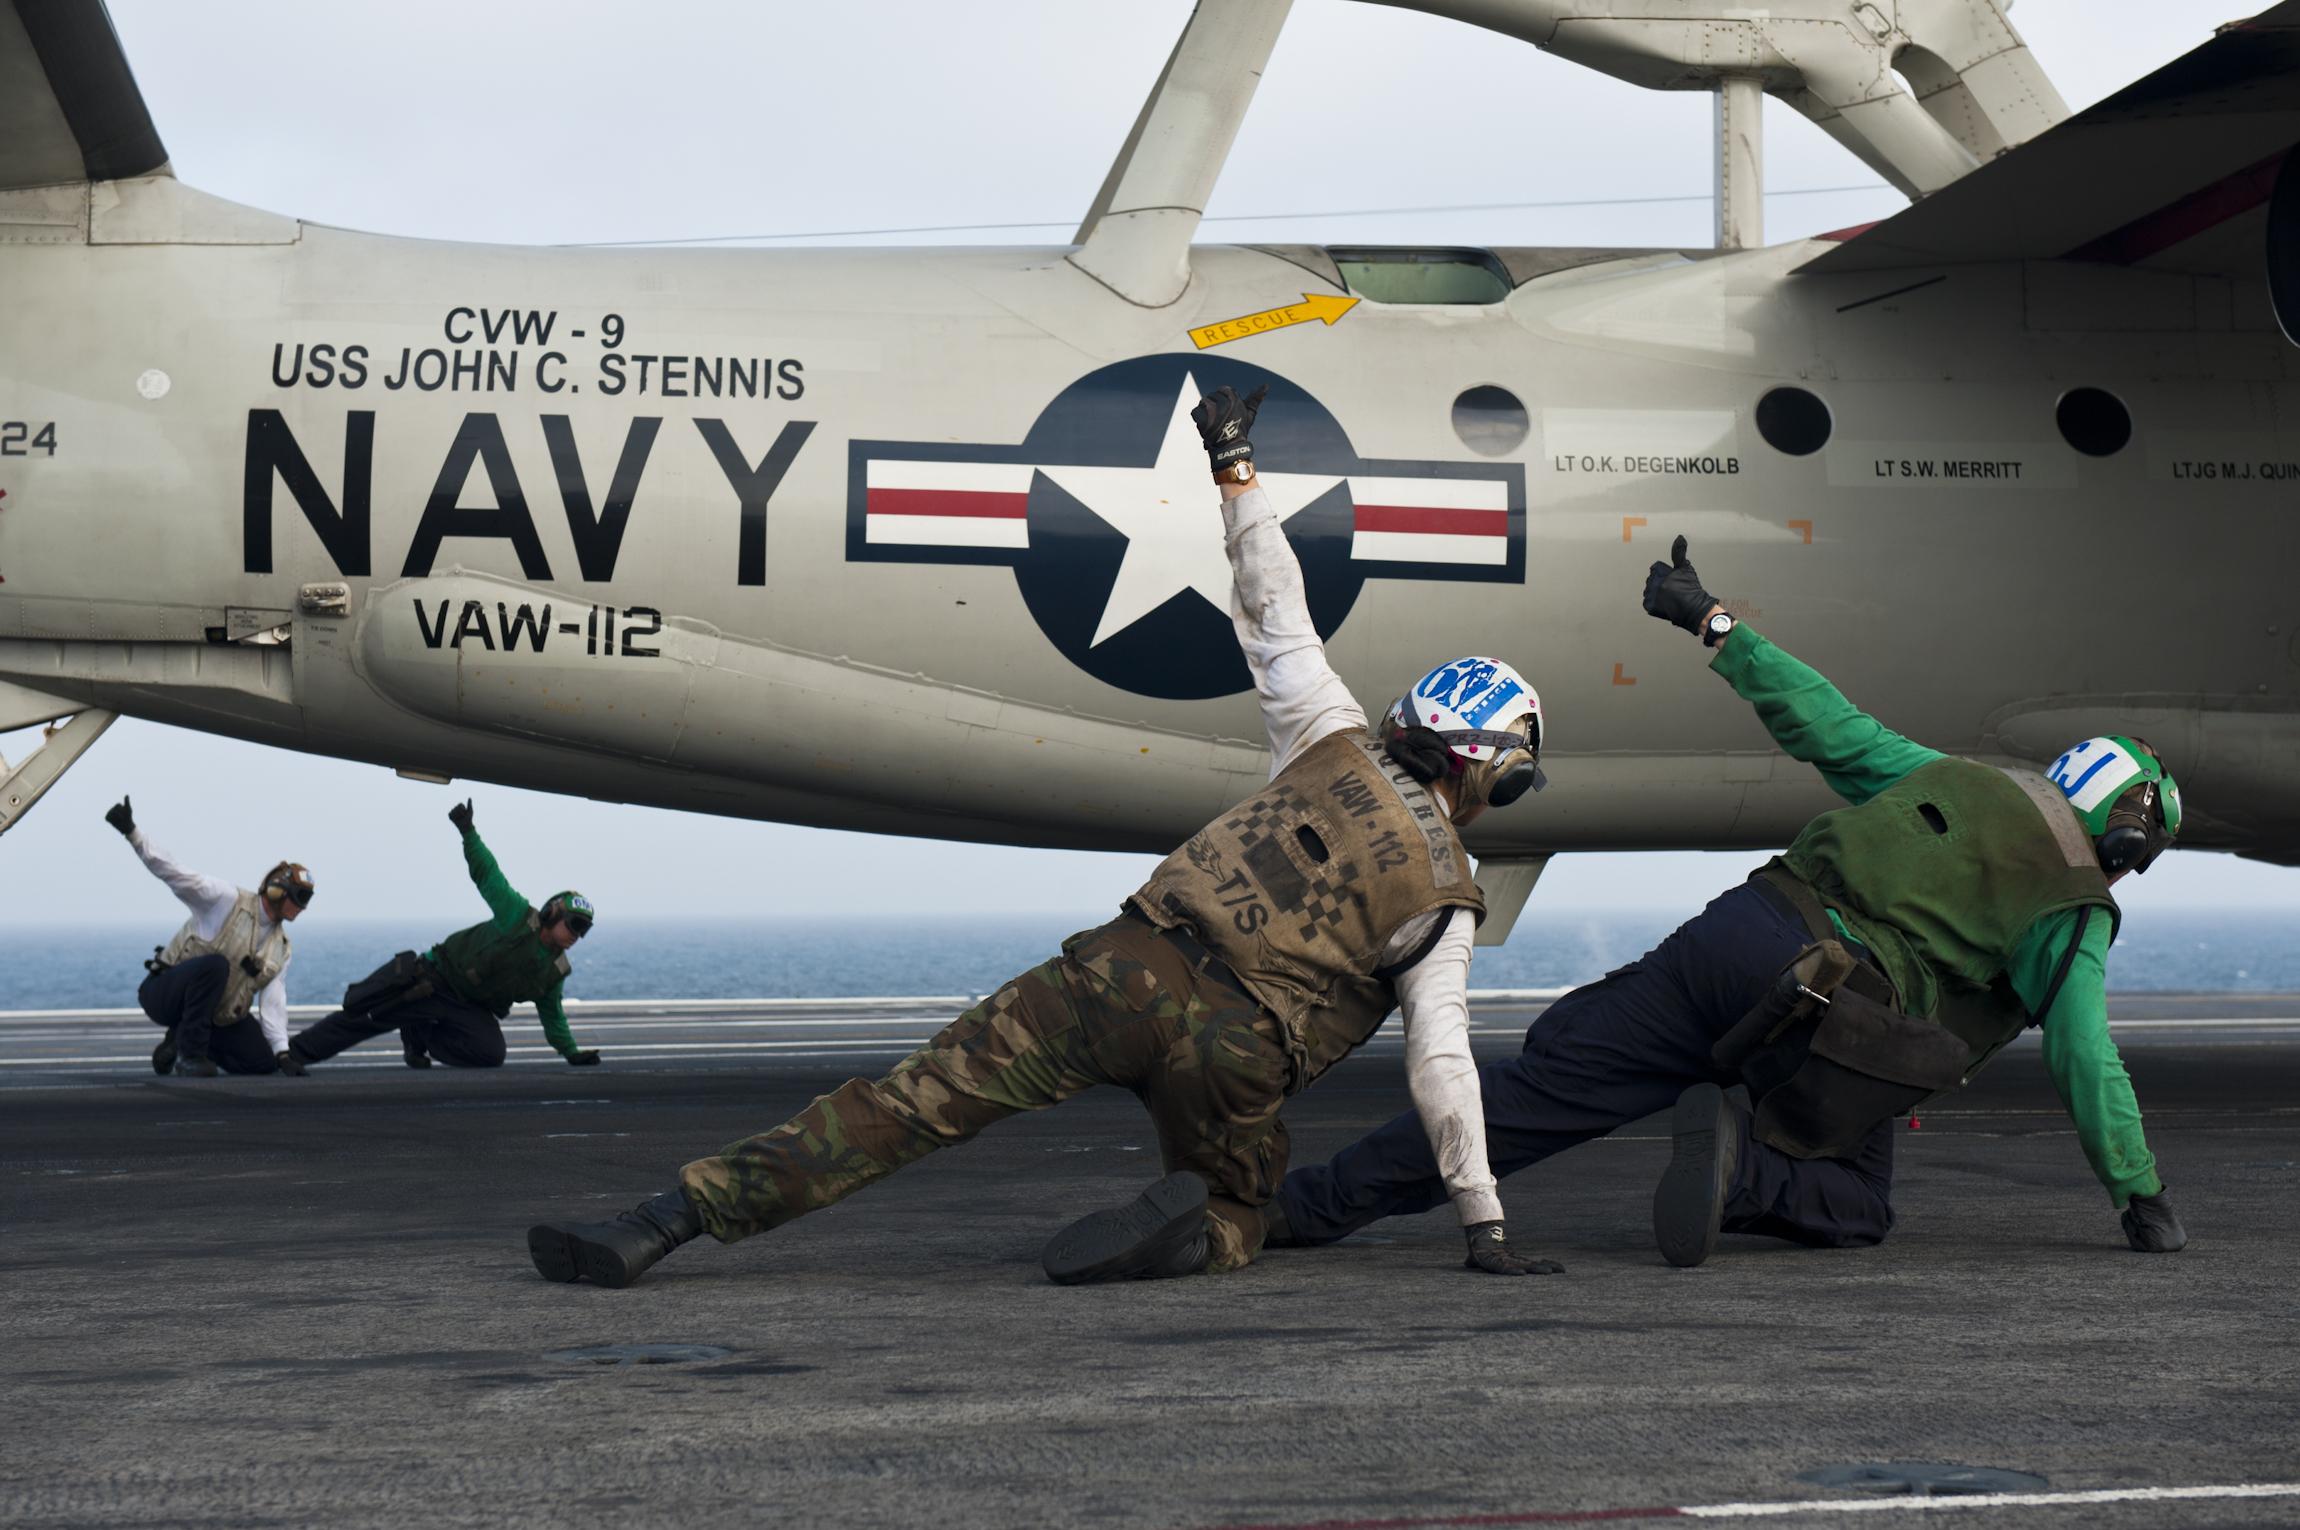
223	970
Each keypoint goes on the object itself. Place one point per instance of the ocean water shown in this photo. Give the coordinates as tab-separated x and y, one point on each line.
83	967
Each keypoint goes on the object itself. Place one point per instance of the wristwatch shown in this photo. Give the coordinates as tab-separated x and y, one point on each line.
1715	629
1241	471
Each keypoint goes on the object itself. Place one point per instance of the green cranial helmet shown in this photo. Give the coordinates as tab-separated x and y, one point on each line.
572	907
2128	801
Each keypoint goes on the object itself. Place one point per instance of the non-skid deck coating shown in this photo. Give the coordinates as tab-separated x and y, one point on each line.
292	1302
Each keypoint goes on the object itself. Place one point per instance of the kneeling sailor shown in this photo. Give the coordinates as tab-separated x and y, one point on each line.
225	965
450	1002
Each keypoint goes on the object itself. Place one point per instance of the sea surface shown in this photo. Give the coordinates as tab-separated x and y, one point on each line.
98	967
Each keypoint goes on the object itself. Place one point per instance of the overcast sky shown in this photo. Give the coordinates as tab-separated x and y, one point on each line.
580	120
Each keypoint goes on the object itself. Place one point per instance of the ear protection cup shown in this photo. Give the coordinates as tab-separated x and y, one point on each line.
2121	847
1514	782
2133	839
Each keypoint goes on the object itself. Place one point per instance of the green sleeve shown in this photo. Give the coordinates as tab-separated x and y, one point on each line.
553	1014
503	901
1812	721
2081	1056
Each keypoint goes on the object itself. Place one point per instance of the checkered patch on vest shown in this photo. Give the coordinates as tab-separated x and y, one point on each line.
1267	814
1327	898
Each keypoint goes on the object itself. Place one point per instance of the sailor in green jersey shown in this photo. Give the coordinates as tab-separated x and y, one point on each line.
1896	946
449	1003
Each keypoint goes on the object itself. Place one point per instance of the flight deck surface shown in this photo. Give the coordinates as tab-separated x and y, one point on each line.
282	1301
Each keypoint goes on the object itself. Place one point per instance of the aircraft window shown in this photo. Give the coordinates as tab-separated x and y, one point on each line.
1793	422
2094	421
2284	248
1490	420
1422	276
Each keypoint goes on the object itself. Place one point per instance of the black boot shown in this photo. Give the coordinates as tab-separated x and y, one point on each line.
614	1253
193	1067
164	1055
1158	1235
411	1051
1689	1203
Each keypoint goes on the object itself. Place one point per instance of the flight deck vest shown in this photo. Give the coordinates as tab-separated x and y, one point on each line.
496	966
1300	888
1941	875
237	937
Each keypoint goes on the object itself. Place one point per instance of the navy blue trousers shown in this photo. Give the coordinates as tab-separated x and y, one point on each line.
183	999
1616	1051
451	1028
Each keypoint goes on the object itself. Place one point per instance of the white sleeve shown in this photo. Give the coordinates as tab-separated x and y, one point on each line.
208	898
1303	700
271	1011
1441	1074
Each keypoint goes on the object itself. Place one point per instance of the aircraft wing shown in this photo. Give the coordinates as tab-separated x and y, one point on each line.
2172	173
69	107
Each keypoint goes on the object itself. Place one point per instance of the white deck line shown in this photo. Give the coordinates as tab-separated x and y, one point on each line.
1948	1503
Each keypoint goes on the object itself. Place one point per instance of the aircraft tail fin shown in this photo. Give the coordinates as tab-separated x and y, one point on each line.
2172	173
69	107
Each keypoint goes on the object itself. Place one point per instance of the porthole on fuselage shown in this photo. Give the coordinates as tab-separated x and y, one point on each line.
2094	421
1381	274
1490	421
1793	422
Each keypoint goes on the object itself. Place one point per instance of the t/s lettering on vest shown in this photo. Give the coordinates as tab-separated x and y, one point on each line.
1300	888
236	938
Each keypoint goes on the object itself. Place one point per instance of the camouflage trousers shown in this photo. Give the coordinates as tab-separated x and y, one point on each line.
1120	1006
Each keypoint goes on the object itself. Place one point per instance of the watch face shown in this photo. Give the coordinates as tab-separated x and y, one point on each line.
1720	623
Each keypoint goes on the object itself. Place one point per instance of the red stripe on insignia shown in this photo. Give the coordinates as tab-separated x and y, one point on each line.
1007	507
2197	213
1484	523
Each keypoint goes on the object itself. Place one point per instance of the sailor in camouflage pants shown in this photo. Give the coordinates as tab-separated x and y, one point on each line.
1122	1006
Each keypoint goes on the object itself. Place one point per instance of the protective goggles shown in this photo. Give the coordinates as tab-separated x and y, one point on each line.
293	882
1510	780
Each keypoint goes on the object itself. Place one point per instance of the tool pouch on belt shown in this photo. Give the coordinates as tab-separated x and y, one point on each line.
1827	1055
402	980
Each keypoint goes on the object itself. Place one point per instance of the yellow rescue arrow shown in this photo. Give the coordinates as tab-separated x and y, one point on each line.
1314	305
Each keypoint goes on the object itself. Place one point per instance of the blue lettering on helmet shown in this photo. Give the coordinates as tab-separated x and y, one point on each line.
2068	787
1449	685
1484	707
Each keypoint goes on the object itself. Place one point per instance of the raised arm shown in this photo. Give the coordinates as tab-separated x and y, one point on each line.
1808	717
1302	699
503	900
203	895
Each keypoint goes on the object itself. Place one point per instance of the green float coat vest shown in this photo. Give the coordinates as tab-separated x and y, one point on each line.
1300	887
496	966
1942	875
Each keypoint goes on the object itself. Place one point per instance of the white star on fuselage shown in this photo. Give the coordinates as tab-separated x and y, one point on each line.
1171	516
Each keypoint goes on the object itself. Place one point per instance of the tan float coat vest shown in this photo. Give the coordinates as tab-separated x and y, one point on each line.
1300	888
237	938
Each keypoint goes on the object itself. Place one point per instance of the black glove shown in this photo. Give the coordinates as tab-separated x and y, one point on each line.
251	966
589	1059
1223	419
460	816
120	816
2151	1227
1673	591
1490	1252
291	1065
